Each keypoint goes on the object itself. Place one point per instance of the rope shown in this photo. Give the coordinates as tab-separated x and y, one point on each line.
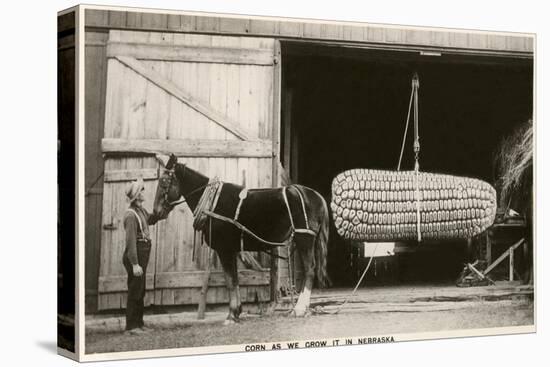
417	197
415	85
320	310
406	130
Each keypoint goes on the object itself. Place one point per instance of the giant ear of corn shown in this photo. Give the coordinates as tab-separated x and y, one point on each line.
377	205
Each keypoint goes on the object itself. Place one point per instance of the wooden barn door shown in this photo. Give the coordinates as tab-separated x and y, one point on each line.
208	99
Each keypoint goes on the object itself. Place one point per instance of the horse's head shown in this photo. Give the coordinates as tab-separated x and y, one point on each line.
168	189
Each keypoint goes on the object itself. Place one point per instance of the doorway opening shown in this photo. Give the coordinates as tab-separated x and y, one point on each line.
345	108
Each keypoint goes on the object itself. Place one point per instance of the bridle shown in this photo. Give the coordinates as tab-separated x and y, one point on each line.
172	175
166	188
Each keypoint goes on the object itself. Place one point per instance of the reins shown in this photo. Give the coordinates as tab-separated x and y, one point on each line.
184	200
243	228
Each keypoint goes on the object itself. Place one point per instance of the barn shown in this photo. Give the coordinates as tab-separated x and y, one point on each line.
264	102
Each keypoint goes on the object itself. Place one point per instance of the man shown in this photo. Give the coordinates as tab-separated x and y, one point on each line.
136	254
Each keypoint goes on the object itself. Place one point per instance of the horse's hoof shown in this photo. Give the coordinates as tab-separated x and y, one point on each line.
299	312
228	322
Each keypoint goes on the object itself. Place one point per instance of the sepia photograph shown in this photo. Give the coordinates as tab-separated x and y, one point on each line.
260	183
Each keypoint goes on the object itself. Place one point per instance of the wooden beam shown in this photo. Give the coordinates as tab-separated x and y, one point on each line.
273	27
284	176
502	257
488	248
130	174
216	55
184	279
190	147
204	288
479	274
276	126
94	191
194	279
287	117
66	22
65	43
107	284
169	87
511	257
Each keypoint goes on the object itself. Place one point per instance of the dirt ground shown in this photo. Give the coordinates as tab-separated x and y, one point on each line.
283	328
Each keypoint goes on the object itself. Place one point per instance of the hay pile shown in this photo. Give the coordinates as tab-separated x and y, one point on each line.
514	164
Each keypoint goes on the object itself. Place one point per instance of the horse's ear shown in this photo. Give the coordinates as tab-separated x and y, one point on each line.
162	159
171	161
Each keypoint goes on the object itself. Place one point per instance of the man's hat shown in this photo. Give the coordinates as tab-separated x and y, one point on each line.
134	189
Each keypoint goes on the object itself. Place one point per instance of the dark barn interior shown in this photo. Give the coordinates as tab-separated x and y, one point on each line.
346	108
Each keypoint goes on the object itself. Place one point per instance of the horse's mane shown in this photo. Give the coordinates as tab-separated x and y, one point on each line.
182	167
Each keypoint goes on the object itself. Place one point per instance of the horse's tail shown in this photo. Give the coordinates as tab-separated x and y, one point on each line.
319	213
321	241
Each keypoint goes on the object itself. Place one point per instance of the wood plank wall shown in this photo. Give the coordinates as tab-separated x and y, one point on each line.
137	108
313	30
66	226
96	74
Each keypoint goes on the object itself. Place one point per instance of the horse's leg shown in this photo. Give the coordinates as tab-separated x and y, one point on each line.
236	289
228	260
305	244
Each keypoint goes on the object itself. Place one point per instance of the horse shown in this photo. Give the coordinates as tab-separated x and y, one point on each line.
236	219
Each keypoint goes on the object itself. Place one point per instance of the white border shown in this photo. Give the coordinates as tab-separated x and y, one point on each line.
240	348
80	48
29	281
535	239
80	336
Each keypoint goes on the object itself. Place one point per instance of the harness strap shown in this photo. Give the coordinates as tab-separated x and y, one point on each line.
138	219
303	207
294	229
284	188
248	231
304	231
242	195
